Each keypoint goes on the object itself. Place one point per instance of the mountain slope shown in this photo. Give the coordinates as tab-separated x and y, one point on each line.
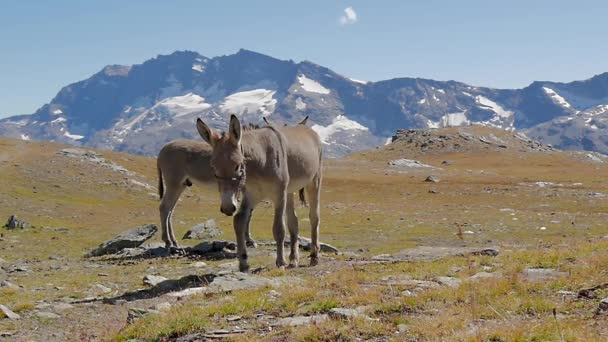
139	108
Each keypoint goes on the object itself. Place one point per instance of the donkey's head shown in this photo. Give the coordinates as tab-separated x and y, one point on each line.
228	161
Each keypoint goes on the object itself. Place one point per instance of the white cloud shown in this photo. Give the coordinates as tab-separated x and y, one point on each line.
349	16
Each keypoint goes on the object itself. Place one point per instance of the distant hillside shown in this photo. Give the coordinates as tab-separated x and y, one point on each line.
138	108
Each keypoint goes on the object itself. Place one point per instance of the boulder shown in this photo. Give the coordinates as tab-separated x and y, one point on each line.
8	313
603	307
153	280
14	223
204	231
432	179
129	239
300	320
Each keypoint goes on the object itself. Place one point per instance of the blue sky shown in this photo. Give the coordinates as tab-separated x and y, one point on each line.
45	45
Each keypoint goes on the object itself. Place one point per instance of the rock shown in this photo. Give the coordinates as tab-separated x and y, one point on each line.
8	285
47	315
129	239
8	313
300	320
407	281
137	313
344	313
449	281
432	179
431	253
233	318
153	280
306	243
164	306
603	307
14	223
402	328
541	274
62	307
409	163
188	292
199	264
486	275
204	231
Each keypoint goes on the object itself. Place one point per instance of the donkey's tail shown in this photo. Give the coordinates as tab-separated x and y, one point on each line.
302	197
161	187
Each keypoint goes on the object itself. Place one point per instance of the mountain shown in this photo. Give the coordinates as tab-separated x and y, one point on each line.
139	108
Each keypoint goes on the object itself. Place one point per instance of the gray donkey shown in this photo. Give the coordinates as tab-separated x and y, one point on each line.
267	163
180	163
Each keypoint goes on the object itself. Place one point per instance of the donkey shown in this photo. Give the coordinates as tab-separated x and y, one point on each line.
267	163
182	162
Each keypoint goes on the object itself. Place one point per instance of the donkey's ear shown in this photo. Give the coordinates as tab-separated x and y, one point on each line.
303	122
266	121
235	130
206	132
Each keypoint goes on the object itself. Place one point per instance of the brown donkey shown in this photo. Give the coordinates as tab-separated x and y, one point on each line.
267	163
181	163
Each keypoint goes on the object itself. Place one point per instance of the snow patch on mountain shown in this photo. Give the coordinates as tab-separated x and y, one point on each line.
312	86
57	112
252	101
340	123
493	106
453	119
59	120
556	98
25	137
359	81
72	136
300	105
198	67
184	105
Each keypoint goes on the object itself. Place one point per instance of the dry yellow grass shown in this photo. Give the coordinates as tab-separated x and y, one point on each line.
368	208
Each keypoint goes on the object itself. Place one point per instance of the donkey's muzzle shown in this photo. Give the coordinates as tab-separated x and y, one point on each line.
228	210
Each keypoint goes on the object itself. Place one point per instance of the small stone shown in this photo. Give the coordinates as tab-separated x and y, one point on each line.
402	328
603	307
129	239
233	318
199	264
153	280
486	275
47	315
449	281
204	231
540	274
62	307
432	179
9	285
8	313
300	320
137	313
165	306
345	313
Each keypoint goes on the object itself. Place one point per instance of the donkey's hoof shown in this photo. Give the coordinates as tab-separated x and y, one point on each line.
251	244
292	265
314	261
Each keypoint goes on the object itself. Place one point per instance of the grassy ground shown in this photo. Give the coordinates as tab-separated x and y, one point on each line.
368	208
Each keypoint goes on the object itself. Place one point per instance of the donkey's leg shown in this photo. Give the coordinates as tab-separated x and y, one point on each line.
278	227
313	191
241	222
292	224
249	240
167	205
